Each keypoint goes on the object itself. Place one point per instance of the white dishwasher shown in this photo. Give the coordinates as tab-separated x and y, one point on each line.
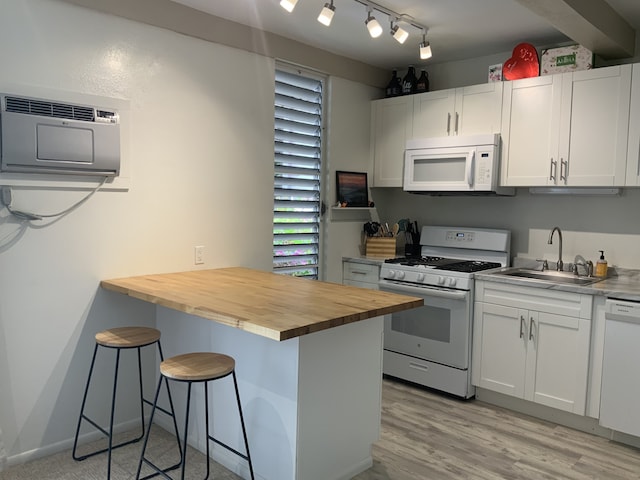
620	394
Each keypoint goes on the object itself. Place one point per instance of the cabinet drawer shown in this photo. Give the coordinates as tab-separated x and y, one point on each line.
533	298
360	272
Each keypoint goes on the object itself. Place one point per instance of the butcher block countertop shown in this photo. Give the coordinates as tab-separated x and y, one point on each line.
279	307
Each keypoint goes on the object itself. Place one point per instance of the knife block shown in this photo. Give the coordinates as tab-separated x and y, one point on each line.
381	247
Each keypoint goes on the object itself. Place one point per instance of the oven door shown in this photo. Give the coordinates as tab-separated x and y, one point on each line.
439	331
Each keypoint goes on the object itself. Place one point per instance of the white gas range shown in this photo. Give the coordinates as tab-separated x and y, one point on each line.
431	345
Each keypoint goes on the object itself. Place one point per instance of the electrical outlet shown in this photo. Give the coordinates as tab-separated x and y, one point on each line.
198	252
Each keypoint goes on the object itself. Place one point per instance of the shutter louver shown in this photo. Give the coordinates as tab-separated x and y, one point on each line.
297	158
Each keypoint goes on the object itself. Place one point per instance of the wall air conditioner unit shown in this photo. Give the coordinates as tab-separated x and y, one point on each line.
44	136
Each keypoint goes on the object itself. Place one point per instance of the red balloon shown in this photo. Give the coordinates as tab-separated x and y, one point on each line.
522	64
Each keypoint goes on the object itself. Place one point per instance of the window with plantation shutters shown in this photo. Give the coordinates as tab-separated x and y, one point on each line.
297	157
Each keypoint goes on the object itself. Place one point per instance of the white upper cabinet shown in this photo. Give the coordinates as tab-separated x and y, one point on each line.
531	127
568	129
633	146
460	111
391	124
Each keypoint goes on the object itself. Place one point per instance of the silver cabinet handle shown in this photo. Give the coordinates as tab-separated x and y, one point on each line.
553	167
457	117
564	167
521	326
448	123
531	325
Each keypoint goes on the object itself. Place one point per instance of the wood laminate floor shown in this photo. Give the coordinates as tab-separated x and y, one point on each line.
429	436
424	435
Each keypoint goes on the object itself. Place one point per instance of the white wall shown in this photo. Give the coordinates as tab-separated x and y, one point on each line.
347	148
201	162
588	223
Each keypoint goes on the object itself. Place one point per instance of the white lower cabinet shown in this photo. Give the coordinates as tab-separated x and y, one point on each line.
533	344
357	274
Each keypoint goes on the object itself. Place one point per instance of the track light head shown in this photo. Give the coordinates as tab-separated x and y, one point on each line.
374	27
399	33
326	15
288	5
425	48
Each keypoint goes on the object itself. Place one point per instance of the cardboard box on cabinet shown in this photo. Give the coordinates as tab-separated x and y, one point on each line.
565	59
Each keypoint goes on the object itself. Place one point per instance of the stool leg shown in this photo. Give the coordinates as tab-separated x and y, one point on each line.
113	411
146	438
206	420
186	431
84	401
244	431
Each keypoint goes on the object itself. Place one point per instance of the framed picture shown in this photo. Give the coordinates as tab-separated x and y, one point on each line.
352	189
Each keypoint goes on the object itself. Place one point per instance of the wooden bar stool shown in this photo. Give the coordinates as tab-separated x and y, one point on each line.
119	339
191	368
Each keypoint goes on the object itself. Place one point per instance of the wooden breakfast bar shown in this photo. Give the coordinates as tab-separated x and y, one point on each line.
308	359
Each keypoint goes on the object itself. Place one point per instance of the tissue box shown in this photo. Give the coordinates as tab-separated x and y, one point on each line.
565	59
495	73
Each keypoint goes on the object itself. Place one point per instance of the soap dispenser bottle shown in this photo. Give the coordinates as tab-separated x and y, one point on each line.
601	265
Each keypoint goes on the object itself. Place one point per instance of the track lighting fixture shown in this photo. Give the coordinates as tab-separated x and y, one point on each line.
398	33
425	48
288	5
374	27
326	15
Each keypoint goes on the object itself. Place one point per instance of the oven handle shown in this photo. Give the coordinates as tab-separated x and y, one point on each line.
432	292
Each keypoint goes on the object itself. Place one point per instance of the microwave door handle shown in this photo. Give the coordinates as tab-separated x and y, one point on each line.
469	172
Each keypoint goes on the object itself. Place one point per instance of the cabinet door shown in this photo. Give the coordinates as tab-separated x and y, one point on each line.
632	178
433	114
478	109
557	361
392	120
499	348
594	153
530	131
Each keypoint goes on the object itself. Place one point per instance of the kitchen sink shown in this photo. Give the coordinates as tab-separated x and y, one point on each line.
550	276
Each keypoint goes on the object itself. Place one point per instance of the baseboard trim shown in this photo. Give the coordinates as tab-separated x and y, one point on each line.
67	444
571	420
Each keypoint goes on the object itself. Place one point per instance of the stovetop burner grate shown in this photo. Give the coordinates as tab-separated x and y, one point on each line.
443	263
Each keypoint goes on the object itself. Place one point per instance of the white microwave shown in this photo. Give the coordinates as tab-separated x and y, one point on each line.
454	164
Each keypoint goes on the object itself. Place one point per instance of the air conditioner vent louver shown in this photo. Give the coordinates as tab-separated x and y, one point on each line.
49	109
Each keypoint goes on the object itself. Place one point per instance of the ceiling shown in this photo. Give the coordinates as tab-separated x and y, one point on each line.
457	29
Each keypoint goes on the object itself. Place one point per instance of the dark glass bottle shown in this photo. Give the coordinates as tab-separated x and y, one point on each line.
422	84
409	81
394	88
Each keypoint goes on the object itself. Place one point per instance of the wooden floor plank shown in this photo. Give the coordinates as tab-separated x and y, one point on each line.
427	435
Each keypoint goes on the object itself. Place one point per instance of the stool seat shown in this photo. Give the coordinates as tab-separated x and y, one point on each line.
197	366
128	337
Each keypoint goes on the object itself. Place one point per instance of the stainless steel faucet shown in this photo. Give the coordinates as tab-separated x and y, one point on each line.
559	263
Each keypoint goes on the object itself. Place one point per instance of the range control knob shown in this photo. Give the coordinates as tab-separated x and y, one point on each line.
420	277
452	282
391	274
400	275
440	280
